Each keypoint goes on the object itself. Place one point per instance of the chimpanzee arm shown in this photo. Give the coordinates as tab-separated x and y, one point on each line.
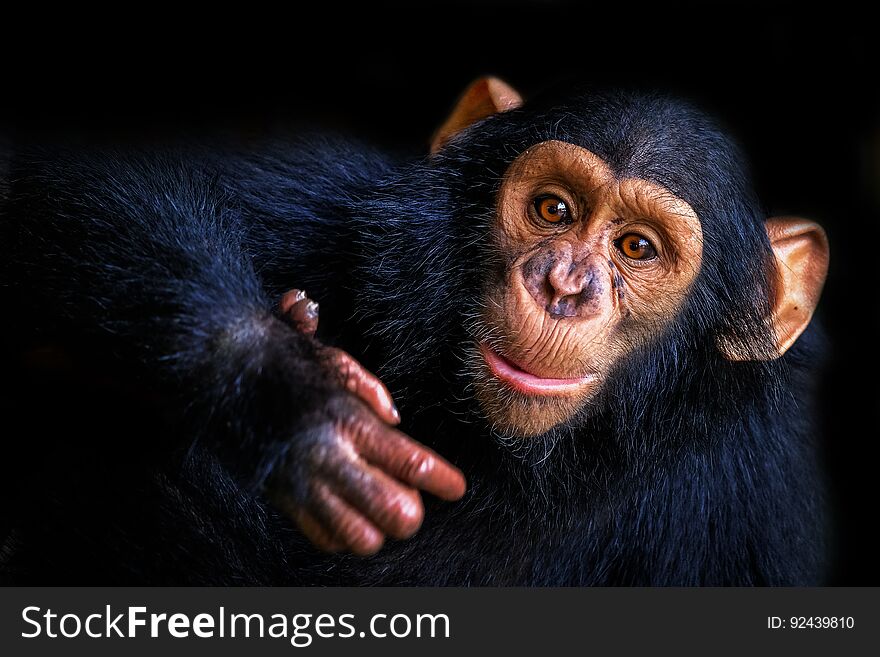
149	254
144	254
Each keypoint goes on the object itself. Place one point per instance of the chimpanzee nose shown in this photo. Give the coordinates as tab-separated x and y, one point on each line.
562	285
573	289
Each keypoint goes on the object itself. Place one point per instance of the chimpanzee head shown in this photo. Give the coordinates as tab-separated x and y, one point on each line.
615	222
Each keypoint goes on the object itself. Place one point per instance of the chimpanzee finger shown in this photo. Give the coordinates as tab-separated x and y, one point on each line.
308	524
414	464
366	386
344	522
394	508
300	311
319	535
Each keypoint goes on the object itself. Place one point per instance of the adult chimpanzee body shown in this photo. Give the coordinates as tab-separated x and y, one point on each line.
575	302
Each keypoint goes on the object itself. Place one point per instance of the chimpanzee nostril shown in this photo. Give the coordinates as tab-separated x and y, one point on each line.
565	307
591	286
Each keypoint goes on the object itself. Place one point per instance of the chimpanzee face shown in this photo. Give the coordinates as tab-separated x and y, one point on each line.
594	265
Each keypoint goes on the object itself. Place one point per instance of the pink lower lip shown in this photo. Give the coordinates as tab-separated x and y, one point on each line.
529	383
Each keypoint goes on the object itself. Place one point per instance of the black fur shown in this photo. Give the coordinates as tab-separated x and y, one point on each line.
690	470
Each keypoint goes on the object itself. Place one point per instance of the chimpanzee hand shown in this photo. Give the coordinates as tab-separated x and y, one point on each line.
349	477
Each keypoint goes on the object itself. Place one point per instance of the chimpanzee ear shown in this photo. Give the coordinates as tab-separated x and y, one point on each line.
482	98
801	251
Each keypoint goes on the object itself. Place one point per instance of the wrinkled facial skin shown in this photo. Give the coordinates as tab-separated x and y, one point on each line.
568	303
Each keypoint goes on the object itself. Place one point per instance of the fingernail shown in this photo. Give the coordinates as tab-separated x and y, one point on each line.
300	295
312	309
395	413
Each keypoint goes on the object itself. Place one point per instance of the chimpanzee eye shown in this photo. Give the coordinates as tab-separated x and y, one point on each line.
552	209
636	247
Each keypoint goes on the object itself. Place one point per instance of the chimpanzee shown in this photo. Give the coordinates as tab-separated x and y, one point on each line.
578	302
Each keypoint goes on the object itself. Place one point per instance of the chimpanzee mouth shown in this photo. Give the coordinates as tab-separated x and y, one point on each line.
528	383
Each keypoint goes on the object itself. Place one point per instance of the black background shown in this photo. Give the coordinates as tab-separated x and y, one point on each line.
798	86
